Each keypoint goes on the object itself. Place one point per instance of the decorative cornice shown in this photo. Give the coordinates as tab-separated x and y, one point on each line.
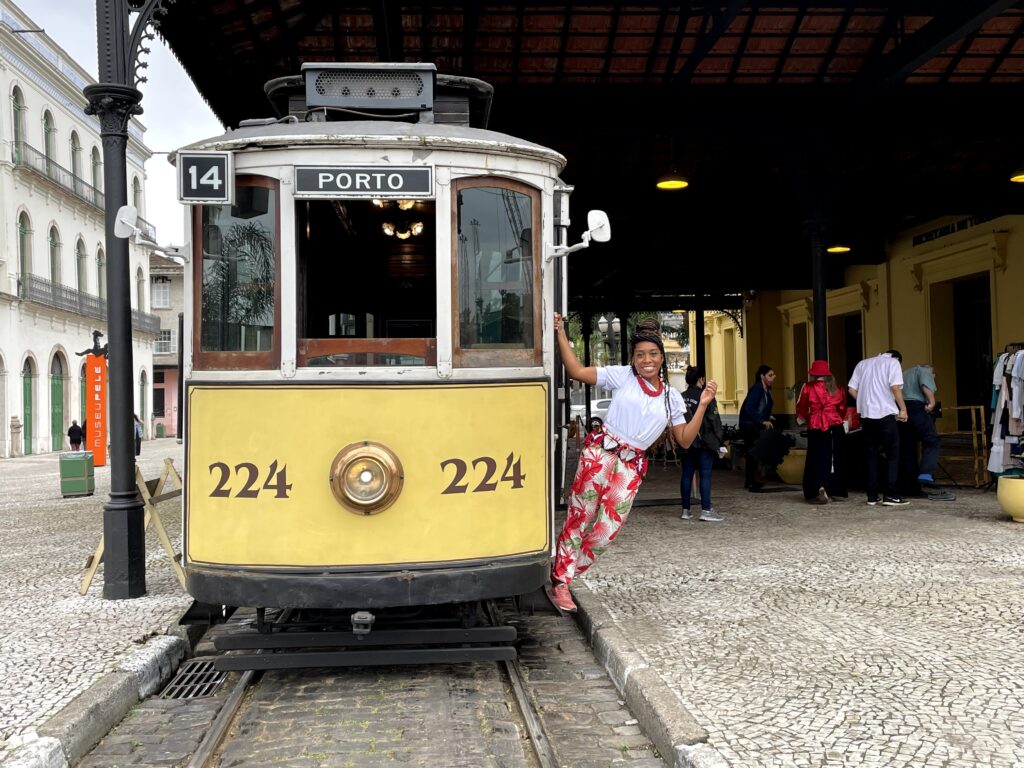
46	85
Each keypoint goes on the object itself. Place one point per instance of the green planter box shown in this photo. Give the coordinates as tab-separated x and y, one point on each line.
77	474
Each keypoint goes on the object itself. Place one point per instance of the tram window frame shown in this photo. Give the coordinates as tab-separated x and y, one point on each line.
268	359
496	355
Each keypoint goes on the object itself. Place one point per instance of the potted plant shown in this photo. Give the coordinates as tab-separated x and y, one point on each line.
1010	494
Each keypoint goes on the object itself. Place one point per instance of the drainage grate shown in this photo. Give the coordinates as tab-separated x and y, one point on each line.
196	678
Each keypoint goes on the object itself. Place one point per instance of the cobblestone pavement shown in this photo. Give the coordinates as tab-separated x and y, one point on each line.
844	635
55	641
458	716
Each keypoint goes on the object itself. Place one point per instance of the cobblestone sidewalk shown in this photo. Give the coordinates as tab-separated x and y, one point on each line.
56	643
829	636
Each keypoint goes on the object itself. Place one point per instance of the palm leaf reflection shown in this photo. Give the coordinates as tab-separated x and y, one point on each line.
238	289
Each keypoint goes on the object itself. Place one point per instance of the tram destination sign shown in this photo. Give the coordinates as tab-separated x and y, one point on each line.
206	178
363	181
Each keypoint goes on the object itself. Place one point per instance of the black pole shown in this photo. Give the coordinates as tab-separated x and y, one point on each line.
181	375
818	292
114	102
624	338
586	319
698	331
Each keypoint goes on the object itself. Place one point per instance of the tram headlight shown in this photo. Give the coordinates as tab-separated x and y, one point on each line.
366	477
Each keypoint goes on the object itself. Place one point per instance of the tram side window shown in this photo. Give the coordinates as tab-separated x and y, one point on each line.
496	274
238	280
368	283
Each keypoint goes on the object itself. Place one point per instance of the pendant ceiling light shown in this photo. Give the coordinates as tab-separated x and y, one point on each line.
838	248
673	179
1017	177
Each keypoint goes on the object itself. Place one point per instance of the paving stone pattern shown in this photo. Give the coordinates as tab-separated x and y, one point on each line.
455	716
843	635
56	642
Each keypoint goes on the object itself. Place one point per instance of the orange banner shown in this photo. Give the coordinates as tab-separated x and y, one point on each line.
96	408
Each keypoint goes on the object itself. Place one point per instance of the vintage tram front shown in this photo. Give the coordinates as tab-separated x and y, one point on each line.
368	355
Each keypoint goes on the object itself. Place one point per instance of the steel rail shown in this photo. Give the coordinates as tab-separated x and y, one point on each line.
218	730
535	729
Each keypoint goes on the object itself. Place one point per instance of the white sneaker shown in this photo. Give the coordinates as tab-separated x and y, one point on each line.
710	516
687	515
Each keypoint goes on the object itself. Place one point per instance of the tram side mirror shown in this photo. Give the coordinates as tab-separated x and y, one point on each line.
125	220
599	229
598	226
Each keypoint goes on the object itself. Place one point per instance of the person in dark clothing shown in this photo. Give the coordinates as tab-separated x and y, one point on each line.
138	435
75	436
755	417
700	456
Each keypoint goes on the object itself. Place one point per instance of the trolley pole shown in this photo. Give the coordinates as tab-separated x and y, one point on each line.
114	100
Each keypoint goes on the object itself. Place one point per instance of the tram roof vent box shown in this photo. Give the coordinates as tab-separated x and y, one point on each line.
370	86
330	91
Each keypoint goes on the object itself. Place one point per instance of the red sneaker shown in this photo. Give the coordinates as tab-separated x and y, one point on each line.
558	594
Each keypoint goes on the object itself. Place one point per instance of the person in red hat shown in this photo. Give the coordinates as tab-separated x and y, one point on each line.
822	407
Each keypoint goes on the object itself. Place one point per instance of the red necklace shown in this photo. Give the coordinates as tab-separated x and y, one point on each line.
647	389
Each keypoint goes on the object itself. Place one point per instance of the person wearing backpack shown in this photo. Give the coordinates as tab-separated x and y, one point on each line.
700	456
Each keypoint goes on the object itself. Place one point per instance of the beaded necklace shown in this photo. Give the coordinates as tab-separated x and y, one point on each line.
648	389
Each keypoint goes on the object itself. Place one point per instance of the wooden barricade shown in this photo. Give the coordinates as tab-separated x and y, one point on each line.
152	493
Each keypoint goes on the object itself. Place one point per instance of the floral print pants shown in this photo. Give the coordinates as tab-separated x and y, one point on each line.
600	500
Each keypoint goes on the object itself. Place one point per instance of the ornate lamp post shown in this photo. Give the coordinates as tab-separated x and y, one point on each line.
114	99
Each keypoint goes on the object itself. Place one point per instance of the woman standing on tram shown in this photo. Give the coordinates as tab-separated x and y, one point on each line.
614	460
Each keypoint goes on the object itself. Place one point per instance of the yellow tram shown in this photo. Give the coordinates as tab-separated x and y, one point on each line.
370	402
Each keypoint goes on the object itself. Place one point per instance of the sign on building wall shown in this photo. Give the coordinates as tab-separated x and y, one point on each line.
96	408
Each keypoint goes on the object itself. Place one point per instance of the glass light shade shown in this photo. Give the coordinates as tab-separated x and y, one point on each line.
838	248
405	205
602	324
615	325
417	228
1018	176
388	229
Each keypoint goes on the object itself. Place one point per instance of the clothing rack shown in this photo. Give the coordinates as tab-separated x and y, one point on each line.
1013	346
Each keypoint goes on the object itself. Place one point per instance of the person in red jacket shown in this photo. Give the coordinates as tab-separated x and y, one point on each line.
822	407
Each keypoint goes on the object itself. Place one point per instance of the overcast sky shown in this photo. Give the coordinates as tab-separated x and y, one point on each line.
174	114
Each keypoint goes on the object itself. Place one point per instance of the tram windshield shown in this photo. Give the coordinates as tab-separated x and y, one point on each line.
367	276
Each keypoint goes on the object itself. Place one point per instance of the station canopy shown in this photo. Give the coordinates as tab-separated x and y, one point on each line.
859	119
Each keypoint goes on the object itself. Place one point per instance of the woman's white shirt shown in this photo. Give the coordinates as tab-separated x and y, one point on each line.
635	416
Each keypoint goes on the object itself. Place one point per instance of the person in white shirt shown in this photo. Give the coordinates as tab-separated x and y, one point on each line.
877	385
614	459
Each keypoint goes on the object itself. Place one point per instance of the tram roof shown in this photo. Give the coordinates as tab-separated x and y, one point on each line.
871	116
379	133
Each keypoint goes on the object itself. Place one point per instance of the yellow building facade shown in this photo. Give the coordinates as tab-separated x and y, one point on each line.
951	292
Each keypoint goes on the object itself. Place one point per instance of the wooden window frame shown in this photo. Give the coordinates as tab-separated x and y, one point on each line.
236	361
497	358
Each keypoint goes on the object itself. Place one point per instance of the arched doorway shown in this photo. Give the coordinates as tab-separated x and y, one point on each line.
27	388
81	388
56	403
143	401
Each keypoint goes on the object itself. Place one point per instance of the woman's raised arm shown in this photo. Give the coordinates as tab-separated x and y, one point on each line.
573	367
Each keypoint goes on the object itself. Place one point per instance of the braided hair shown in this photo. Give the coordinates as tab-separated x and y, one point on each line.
649	329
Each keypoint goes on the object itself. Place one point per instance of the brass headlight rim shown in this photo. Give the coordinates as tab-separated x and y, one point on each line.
378	453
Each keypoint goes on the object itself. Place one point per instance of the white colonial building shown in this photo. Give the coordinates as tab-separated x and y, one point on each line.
52	241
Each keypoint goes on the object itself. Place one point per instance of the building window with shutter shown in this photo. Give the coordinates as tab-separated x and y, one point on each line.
161	294
166	342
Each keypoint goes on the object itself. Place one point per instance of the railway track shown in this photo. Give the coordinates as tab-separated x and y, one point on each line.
515	693
552	705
